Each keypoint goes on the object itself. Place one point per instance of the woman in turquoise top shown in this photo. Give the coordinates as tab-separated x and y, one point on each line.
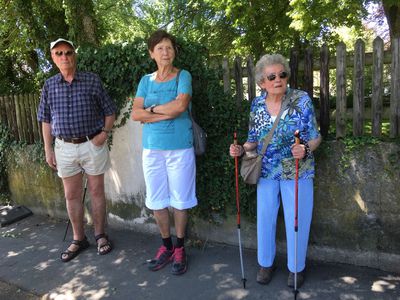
161	103
278	164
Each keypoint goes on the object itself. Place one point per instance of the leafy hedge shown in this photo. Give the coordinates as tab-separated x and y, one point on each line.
122	66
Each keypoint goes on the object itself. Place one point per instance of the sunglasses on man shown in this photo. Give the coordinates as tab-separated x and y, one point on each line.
272	77
66	53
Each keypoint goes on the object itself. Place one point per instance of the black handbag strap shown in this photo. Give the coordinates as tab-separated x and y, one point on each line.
268	138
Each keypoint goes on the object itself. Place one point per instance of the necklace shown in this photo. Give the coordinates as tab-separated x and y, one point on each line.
164	77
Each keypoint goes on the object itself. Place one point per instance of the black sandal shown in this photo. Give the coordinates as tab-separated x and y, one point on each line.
107	245
83	244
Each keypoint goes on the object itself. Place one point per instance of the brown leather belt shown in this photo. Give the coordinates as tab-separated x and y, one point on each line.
79	140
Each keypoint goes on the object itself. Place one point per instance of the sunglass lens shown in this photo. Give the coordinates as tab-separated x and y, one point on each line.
66	53
283	75
271	77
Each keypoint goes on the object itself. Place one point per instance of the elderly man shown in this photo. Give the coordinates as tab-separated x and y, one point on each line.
77	115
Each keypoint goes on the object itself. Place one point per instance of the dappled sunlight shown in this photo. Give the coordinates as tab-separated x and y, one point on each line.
143	284
349	297
349	280
44	265
162	282
75	289
218	267
234	294
12	253
360	201
120	259
305	295
88	271
228	282
288	294
381	286
134	271
387	283
204	277
11	230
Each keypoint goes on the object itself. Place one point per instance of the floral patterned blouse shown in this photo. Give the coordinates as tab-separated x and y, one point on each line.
278	162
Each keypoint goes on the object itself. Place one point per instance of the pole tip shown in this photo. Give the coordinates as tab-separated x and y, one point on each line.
244	282
296	292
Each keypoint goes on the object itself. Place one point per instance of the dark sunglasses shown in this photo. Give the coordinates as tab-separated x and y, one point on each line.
282	75
66	53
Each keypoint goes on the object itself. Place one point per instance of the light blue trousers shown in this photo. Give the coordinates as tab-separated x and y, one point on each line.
268	202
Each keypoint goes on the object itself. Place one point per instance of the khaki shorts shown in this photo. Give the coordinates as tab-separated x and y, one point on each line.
73	158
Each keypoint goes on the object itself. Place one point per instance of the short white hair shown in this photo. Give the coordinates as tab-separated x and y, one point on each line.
269	60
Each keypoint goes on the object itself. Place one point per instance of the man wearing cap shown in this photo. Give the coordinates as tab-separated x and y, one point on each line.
77	115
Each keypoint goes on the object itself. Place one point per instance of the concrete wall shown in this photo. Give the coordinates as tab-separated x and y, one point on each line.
356	209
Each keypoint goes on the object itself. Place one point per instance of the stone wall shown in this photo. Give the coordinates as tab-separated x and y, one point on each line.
356	208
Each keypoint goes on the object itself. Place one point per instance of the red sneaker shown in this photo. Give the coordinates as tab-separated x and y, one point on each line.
179	266
163	257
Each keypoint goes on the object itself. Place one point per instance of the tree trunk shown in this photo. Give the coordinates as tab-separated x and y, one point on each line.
392	12
81	19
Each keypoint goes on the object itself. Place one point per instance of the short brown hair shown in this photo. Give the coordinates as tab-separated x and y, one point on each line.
157	36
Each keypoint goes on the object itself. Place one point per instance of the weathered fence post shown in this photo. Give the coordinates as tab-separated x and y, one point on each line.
23	118
324	113
340	90
377	87
226	76
395	89
238	80
308	72
33	114
251	83
11	115
294	68
358	88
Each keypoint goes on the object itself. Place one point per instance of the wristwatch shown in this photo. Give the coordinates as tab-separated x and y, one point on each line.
106	130
152	108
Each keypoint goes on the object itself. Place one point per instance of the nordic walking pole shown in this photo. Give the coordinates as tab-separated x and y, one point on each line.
238	211
296	214
83	201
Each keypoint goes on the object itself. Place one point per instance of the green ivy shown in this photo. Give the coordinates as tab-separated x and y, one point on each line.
352	144
122	66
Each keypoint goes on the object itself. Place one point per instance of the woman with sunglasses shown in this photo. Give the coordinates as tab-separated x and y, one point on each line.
278	164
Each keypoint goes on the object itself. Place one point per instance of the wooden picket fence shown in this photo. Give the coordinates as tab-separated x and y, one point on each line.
18	113
358	60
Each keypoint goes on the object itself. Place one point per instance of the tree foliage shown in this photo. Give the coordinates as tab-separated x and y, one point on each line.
224	27
26	30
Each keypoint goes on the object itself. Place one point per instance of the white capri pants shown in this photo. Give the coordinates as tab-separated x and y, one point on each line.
170	177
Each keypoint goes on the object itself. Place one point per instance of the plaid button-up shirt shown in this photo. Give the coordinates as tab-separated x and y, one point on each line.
74	109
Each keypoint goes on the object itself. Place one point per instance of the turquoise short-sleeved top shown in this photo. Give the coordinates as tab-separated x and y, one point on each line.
168	134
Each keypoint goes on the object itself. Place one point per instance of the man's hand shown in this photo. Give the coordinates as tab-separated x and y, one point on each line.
51	159
100	139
